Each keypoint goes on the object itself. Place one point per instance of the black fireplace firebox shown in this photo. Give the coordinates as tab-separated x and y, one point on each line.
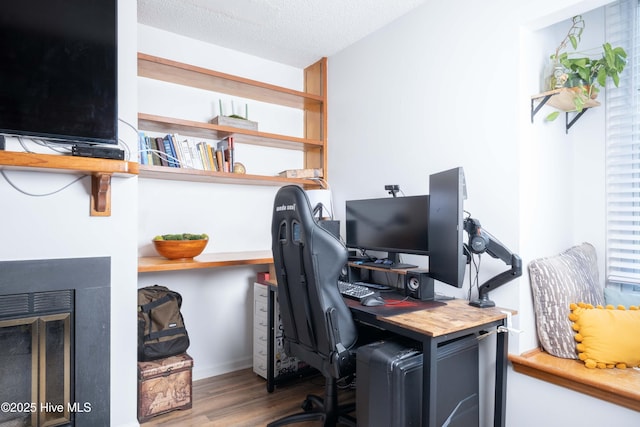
36	359
54	342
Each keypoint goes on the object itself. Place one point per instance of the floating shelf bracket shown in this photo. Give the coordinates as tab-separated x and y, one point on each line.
100	170
535	109
101	194
568	123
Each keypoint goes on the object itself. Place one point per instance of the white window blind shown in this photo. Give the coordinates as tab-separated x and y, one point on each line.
623	149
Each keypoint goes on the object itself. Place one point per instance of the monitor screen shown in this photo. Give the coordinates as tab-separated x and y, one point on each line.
447	261
391	224
58	73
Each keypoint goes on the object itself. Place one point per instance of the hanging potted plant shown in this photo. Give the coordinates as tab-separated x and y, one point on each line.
587	74
584	74
558	76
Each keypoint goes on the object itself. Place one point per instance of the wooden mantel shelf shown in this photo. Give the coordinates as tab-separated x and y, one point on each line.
100	170
207	260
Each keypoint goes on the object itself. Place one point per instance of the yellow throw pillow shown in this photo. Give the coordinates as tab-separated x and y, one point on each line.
607	337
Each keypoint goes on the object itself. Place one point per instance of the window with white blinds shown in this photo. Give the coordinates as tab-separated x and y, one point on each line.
623	150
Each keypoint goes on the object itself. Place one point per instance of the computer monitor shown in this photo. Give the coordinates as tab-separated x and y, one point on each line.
447	260
393	224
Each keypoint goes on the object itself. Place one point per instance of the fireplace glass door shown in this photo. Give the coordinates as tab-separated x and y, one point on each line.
35	371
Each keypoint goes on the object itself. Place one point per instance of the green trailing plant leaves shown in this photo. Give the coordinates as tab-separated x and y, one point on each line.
574	41
552	116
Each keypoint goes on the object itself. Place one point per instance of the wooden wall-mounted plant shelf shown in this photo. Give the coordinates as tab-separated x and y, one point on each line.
561	99
100	170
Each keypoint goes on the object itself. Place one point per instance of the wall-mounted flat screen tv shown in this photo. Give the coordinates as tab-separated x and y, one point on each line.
58	70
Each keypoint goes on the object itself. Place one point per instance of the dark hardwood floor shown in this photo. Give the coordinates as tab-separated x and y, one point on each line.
241	399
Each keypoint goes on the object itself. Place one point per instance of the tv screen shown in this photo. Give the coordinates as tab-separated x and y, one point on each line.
392	224
447	261
58	72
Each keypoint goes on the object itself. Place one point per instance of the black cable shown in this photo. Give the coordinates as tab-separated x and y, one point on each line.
400	301
473	279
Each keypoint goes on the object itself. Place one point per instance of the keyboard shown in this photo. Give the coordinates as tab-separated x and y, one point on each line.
375	286
354	291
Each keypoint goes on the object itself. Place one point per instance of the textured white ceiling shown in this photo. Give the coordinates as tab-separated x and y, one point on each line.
294	32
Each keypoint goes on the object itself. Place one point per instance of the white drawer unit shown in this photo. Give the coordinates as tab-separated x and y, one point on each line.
283	365
260	329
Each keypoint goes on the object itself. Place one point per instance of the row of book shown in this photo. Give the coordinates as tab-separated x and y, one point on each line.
177	151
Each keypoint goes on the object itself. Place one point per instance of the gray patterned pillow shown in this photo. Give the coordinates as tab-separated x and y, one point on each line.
556	282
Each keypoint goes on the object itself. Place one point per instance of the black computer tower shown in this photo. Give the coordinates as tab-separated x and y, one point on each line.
389	384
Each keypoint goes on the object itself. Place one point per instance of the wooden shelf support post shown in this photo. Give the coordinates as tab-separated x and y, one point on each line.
101	194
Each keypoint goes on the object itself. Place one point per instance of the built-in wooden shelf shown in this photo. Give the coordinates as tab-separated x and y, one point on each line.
197	175
100	170
190	75
210	260
311	101
192	128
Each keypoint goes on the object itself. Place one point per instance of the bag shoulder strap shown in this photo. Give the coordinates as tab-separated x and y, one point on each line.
145	308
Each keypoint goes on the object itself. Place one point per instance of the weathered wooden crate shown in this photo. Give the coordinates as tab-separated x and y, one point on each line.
164	385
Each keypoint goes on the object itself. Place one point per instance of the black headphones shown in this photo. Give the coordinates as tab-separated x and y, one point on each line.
478	241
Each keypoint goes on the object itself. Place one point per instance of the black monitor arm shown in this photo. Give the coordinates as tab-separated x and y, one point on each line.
481	241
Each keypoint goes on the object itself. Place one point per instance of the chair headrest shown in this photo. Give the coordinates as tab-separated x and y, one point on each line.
291	201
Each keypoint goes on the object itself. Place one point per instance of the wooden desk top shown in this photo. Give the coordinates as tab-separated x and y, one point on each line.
455	316
211	260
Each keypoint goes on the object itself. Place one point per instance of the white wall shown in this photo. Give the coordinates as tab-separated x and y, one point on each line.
535	403
59	226
449	85
404	104
393	118
216	303
563	203
563	175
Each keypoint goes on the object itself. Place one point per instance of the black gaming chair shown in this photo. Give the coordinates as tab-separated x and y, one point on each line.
318	327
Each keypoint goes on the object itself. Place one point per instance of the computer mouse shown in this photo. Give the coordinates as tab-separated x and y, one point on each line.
372	301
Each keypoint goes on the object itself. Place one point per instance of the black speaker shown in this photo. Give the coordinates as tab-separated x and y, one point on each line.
345	273
354	274
419	285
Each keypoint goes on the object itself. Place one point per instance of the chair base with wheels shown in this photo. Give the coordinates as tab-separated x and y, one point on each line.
324	409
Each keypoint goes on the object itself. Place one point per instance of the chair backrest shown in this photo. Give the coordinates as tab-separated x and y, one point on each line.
308	259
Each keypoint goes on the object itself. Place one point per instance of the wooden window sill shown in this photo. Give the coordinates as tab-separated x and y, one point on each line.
619	386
